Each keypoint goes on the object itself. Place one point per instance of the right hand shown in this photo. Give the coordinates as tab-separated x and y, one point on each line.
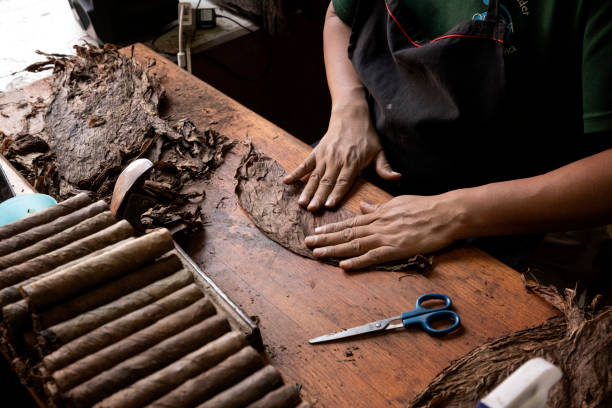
350	144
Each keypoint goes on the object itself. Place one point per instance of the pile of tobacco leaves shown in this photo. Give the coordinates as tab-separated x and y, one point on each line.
579	342
104	113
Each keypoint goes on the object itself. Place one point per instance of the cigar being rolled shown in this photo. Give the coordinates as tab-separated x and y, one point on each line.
147	362
77	326
78	249
108	292
62	238
120	328
44	216
43	231
247	391
92	272
284	397
209	383
90	366
167	379
11	294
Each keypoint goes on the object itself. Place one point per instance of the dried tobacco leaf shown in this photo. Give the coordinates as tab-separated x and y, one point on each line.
579	342
273	207
102	114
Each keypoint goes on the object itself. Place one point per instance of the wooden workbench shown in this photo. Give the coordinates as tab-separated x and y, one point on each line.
296	299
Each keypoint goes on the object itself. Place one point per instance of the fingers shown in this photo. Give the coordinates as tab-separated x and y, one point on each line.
343	184
303	169
339	237
356	247
348	223
311	185
375	256
326	185
383	168
367	208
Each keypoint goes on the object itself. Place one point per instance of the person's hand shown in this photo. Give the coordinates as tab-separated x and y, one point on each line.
350	144
403	227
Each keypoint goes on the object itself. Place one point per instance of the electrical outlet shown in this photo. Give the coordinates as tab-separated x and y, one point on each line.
189	20
206	18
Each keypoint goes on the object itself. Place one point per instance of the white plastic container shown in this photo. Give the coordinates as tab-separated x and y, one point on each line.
527	387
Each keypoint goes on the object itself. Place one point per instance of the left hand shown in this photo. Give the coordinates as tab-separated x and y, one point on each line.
403	227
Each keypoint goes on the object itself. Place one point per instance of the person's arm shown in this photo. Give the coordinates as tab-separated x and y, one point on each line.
578	195
351	143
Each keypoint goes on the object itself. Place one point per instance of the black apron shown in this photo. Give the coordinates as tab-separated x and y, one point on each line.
435	103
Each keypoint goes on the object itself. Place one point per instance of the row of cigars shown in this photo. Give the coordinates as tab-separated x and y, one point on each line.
93	315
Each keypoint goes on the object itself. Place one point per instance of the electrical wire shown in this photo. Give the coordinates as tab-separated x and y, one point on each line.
236	22
180	55
213	59
189	37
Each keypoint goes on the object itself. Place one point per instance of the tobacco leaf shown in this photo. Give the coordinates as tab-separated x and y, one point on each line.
272	205
102	114
579	342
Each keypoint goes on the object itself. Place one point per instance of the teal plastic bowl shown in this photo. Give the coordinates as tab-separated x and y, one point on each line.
21	206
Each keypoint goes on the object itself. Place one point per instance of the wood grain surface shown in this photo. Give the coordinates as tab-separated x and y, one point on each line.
295	299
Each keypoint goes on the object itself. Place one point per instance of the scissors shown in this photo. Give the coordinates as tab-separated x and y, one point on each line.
420	316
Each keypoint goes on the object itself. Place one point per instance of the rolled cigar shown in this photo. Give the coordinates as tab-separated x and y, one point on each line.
81	230
44	216
121	328
283	397
159	383
77	326
108	292
11	294
43	231
147	362
20	348
84	246
92	272
247	391
209	383
16	319
90	366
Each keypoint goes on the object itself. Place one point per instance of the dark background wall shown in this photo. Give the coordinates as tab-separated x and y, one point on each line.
282	78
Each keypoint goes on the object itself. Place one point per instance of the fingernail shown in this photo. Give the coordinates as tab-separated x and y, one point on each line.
314	204
318	230
330	202
319	252
309	240
302	200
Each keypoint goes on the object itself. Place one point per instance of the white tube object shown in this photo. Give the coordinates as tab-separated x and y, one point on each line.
180	56
527	387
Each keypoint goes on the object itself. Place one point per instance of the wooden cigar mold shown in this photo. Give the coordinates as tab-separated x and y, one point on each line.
94	315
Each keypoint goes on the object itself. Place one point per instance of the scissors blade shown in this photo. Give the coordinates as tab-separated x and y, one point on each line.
373	327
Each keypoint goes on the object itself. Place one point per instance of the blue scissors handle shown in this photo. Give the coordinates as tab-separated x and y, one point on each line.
425	321
424	317
419	309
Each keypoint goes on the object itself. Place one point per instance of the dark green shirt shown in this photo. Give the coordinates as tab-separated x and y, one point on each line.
549	44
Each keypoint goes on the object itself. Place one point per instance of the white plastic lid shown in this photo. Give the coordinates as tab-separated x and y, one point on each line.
527	387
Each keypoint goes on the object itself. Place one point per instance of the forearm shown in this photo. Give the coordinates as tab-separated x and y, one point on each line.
344	85
578	195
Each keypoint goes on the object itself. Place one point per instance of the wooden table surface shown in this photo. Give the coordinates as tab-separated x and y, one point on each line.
296	299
